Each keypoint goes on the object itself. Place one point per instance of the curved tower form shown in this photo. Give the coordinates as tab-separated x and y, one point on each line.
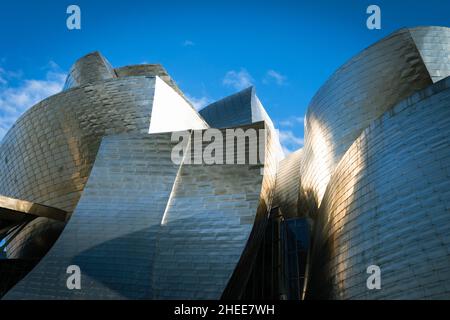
140	225
363	89
378	130
119	175
388	204
48	154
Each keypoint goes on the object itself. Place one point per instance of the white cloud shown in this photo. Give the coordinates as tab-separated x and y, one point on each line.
17	99
238	79
188	43
198	103
291	122
3	81
274	76
289	141
5	76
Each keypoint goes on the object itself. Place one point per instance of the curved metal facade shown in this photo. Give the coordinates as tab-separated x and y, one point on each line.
362	90
90	68
286	194
49	152
433	44
388	204
372	182
144	228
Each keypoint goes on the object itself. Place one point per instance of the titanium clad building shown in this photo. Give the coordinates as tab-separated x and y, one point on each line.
376	139
88	178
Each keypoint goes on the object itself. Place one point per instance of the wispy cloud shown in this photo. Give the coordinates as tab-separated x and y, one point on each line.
198	103
14	100
188	43
289	141
5	76
291	122
273	76
3	81
238	79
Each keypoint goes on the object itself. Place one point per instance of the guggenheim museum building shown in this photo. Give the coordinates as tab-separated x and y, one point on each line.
87	179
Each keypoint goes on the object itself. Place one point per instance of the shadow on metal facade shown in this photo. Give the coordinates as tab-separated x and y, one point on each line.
388	204
369	187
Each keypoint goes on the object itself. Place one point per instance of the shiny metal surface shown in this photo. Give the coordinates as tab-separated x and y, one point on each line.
287	189
117	234
242	108
433	44
90	68
348	231
362	90
147	228
95	67
149	70
235	288
208	227
234	110
33	239
14	209
373	177
47	156
112	233
388	204
238	109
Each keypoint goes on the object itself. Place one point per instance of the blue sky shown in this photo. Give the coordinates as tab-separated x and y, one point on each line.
287	49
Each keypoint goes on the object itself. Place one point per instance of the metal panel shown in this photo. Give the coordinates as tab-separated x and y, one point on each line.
287	187
112	234
433	44
234	110
46	157
356	94
388	204
92	67
149	70
147	228
242	108
32	240
14	209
